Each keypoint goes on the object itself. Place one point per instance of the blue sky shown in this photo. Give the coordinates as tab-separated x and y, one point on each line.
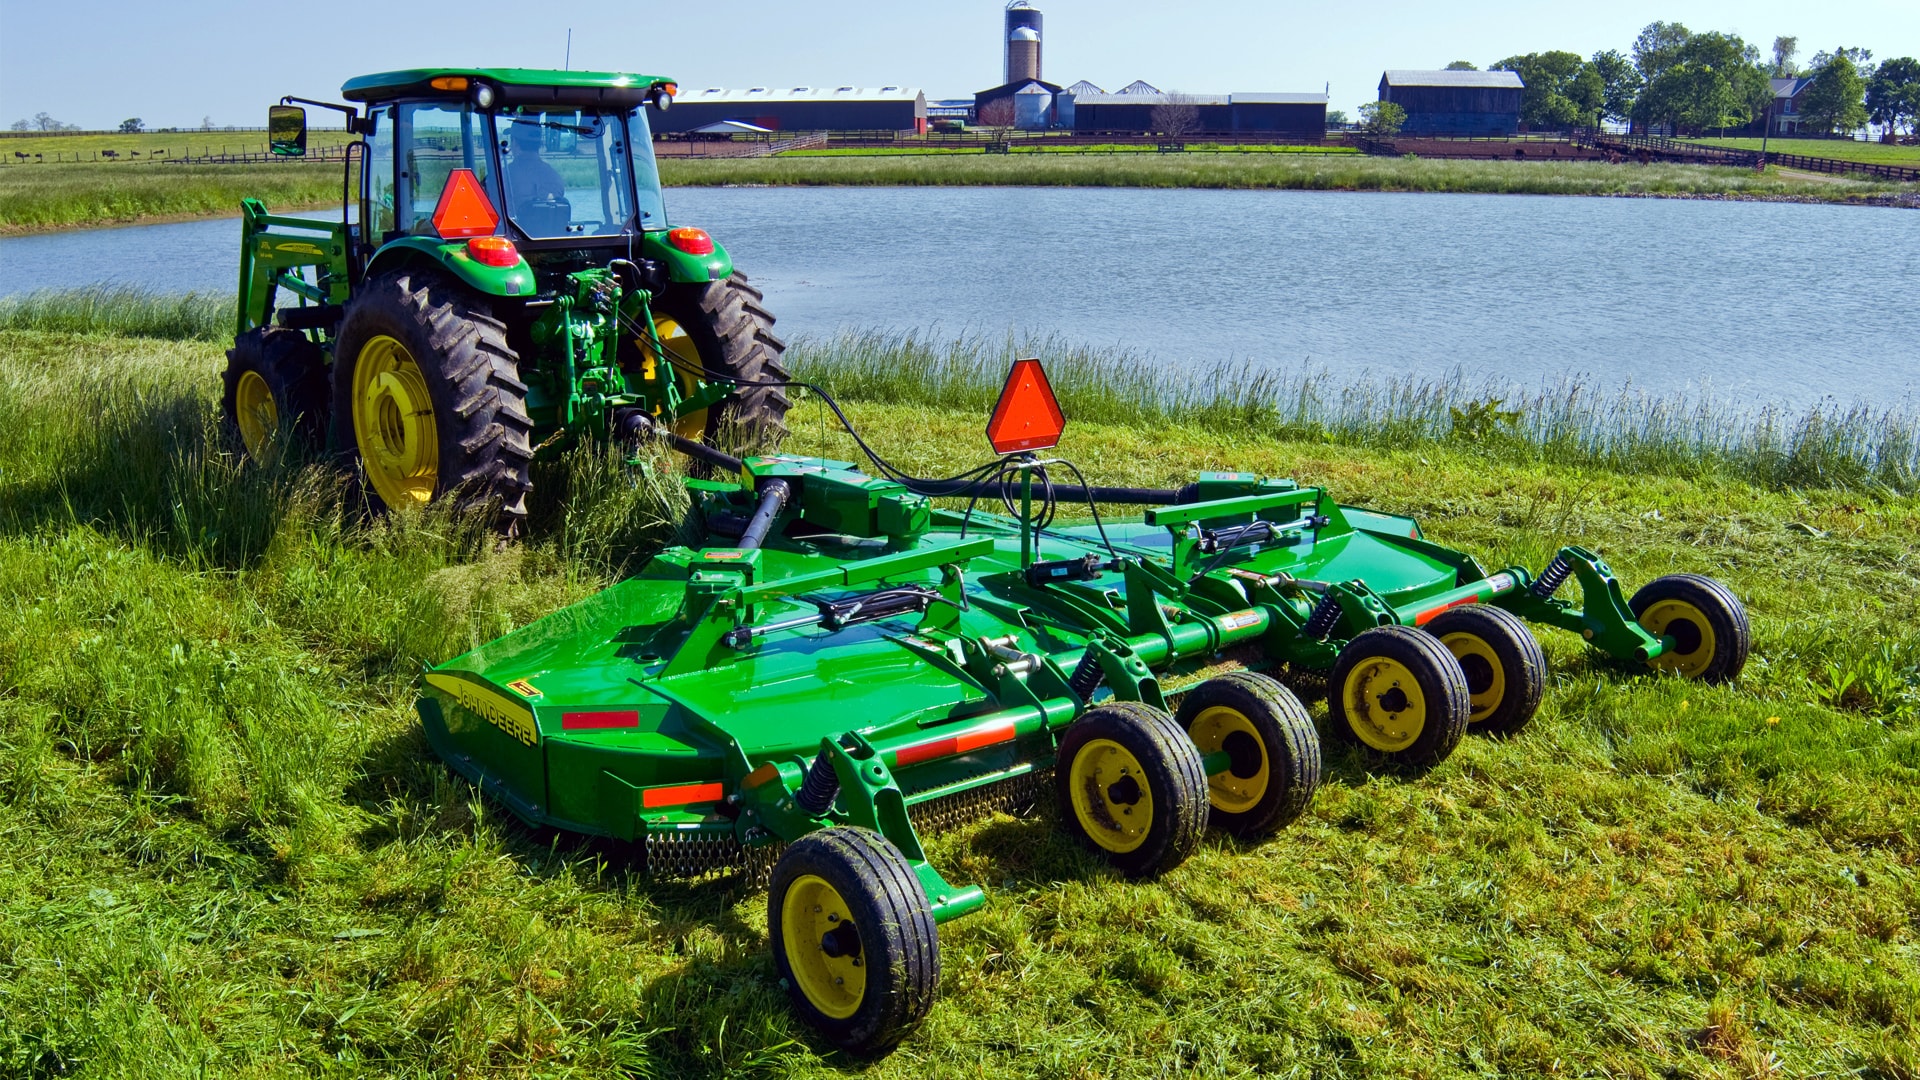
96	62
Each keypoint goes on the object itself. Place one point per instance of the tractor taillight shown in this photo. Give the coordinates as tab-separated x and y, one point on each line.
691	241
493	251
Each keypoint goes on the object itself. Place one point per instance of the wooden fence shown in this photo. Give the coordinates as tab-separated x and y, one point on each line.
1677	149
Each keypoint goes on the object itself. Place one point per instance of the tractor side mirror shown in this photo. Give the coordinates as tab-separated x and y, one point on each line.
287	130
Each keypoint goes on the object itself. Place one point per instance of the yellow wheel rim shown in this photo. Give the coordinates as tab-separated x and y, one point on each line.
256	414
1221	728
1694	640
823	947
1486	678
1384	704
393	423
1111	799
681	355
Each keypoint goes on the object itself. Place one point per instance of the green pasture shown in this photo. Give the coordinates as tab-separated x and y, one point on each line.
37	198
176	144
1871	153
225	849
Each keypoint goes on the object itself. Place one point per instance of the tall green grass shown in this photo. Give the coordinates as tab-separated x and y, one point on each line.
225	849
40	197
119	309
1306	172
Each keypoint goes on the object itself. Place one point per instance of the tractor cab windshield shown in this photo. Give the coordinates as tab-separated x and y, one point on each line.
573	173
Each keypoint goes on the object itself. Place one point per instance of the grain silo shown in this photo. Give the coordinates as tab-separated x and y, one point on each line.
1023	42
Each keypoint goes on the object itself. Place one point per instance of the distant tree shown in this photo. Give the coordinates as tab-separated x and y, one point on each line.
1562	91
997	113
1658	48
1382	118
132	126
1709	80
1784	50
43	122
1177	116
1461	65
1337	118
21	125
1620	84
1893	95
206	123
1837	99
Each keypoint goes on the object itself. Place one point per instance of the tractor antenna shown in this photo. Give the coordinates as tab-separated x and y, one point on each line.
569	62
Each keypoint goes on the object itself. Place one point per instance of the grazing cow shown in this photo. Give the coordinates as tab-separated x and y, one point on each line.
20	155
110	153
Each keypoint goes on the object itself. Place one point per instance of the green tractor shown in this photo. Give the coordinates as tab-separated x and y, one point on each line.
503	281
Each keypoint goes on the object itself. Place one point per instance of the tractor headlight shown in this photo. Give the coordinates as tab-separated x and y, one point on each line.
482	95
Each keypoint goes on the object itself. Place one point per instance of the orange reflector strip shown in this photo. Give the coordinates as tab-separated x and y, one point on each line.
599	721
762	775
682	795
1027	416
449	82
691	241
1426	617
956	744
464	209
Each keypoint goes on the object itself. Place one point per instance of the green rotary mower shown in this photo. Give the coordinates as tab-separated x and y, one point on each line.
502	281
850	658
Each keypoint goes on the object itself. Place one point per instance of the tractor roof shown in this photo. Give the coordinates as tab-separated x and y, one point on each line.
514	86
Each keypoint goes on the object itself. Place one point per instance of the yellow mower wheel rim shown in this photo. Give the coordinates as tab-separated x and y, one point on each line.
1464	645
813	915
256	414
393	423
1384	704
1225	791
1662	619
680	355
1111	799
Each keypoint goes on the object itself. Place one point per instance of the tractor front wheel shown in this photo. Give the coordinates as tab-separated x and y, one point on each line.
1401	694
853	936
1132	787
427	398
1273	752
274	393
1706	622
721	332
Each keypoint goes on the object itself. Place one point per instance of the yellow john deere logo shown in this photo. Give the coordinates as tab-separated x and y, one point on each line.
495	708
292	247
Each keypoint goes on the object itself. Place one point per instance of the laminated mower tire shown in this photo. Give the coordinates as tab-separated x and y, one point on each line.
1132	788
1506	670
1401	694
1711	633
427	398
1274	748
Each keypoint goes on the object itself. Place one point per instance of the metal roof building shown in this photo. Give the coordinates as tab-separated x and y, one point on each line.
798	108
1299	116
1455	102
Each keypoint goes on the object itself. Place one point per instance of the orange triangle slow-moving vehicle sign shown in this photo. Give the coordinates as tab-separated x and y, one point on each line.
1027	416
464	208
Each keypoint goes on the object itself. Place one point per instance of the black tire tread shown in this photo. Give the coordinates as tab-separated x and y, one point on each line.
1420	652
742	347
1525	663
1160	743
473	377
887	887
1713	597
295	371
1293	747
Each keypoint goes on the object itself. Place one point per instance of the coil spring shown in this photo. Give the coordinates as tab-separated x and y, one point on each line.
820	786
1325	614
1086	676
1552	577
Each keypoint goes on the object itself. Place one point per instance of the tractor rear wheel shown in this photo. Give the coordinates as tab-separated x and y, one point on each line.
1269	737
427	398
1709	627
274	393
722	332
853	937
1132	787
1400	693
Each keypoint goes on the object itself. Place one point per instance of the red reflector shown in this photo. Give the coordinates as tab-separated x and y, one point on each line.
597	721
682	795
957	744
464	209
493	251
1027	416
1426	617
691	241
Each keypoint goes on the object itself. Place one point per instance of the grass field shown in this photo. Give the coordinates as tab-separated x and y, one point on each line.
225	849
40	197
910	150
1838	149
176	144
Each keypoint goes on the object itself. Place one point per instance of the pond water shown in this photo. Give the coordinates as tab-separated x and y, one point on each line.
1752	303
